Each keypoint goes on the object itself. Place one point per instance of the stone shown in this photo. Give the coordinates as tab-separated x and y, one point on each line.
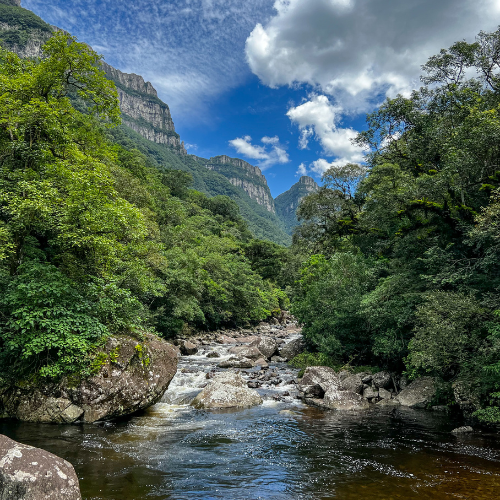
292	349
28	473
317	380
133	376
227	390
367	379
353	383
382	380
384	394
262	363
250	352
370	393
388	402
224	339
463	430
278	359
344	374
213	354
344	400
266	345
419	393
188	348
236	363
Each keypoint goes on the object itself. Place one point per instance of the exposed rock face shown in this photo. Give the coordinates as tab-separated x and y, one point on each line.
266	345
28	473
292	349
245	176
227	390
288	202
142	110
419	393
133	375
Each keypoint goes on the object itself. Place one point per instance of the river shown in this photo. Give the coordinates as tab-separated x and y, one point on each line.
280	450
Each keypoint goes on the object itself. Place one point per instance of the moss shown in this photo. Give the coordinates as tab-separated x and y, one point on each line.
98	362
142	355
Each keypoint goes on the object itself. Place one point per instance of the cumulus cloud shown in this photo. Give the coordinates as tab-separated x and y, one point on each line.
319	117
268	155
191	50
360	50
302	170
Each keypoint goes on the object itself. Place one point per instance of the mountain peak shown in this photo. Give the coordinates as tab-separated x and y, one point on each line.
308	181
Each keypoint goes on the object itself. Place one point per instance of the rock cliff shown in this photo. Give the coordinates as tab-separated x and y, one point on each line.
288	202
245	176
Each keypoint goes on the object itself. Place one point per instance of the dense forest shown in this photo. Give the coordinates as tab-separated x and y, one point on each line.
395	265
404	253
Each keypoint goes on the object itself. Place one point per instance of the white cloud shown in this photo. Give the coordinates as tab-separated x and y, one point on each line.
268	155
302	170
360	50
319	117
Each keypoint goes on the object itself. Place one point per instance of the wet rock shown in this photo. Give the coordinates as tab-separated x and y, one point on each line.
236	363
266	345
28	473
370	393
292	349
254	384
250	352
463	430
278	359
213	354
133	376
344	400
419	393
367	379
384	394
262	363
224	339
382	380
388	402
353	383
188	348
317	380
227	390
442	408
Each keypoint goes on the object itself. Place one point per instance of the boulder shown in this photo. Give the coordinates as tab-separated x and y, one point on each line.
213	354
370	393
382	380
227	390
354	383
28	473
367	379
224	339
266	345
131	376
188	348
250	352
463	430
317	380
278	359
419	393
262	363
292	349
384	394
344	400
236	363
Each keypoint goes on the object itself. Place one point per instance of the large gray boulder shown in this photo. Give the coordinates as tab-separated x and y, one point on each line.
250	352
382	380
28	473
317	380
344	400
188	348
266	345
227	390
292	349
131	375
353	383
418	394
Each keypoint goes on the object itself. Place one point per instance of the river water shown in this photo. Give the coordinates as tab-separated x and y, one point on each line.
280	450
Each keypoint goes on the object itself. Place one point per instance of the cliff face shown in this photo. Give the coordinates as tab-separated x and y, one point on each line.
245	176
288	202
143	111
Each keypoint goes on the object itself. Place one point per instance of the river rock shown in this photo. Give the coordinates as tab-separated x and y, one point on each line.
266	345
236	363
213	354
463	430
227	390
188	348
262	363
344	400
28	473
382	380
384	394
419	393
250	352
292	349
370	393
133	375
354	383
317	380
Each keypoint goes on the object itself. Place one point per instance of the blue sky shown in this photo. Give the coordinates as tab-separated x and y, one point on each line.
283	84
